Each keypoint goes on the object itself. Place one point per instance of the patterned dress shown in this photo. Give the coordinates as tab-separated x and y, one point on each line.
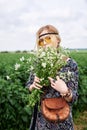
40	123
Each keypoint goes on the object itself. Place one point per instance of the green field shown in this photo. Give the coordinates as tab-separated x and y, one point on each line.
12	57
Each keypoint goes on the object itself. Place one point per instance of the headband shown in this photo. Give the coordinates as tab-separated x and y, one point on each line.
47	34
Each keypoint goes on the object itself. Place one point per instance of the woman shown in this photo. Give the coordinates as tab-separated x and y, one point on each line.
48	36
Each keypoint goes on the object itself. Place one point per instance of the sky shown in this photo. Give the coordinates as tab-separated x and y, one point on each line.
20	20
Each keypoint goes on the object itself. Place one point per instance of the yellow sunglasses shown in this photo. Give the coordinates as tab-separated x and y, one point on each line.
47	39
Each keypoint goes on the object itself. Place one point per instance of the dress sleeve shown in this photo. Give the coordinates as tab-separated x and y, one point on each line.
30	80
71	80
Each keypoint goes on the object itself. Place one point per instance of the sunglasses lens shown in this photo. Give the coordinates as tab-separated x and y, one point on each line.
41	42
48	39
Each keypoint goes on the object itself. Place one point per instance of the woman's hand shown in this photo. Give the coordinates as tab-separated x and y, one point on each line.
35	84
58	85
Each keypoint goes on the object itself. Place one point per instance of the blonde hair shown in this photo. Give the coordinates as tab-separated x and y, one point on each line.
50	29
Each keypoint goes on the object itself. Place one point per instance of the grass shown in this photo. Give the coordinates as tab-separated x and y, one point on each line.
80	123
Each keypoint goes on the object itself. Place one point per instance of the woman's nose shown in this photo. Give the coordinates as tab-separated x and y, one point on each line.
45	43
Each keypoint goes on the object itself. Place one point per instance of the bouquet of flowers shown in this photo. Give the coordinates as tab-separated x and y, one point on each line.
47	62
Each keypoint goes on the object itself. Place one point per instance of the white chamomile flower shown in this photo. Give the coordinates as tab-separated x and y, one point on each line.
22	58
41	79
7	77
42	54
44	65
17	66
51	64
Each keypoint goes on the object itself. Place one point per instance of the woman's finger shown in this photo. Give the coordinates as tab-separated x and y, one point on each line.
52	81
34	86
57	77
38	85
50	78
37	79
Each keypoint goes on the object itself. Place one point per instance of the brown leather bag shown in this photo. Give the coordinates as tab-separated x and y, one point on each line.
55	109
